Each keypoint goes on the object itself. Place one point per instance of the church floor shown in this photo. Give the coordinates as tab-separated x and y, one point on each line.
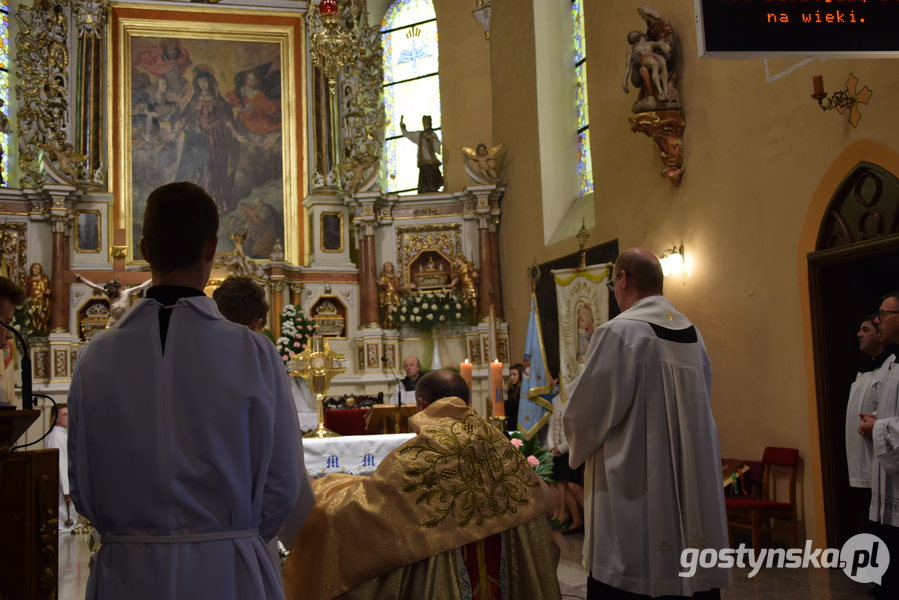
769	584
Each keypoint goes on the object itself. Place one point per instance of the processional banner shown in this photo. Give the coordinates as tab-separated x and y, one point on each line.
583	299
535	403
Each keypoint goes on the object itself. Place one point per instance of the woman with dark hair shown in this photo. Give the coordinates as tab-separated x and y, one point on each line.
209	144
513	393
568	483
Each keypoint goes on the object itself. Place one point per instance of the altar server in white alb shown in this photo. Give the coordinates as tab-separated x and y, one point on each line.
183	435
58	438
639	416
864	397
883	429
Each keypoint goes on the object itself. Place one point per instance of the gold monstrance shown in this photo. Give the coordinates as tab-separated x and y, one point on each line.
317	365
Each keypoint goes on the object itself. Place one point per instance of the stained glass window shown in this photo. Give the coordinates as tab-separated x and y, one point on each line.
4	85
411	87
584	160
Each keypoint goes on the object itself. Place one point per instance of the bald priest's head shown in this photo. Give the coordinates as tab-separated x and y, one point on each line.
441	384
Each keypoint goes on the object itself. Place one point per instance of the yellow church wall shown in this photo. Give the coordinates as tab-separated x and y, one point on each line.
757	177
464	87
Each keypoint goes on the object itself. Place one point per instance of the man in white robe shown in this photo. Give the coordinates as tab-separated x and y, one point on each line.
883	428
183	437
640	416
864	395
58	438
241	300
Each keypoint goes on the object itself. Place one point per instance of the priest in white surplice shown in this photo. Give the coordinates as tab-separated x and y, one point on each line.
183	437
883	428
864	397
639	415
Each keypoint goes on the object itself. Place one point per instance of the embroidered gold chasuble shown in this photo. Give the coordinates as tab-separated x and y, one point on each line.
429	510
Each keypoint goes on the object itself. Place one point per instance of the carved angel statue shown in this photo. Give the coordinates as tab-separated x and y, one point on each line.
389	291
65	165
239	263
465	282
119	300
483	165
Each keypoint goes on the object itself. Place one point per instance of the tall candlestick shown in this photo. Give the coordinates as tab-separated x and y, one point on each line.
465	371
496	388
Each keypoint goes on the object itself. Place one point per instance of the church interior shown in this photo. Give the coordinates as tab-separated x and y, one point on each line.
784	216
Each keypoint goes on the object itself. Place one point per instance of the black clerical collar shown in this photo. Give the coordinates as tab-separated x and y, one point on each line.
872	363
168	295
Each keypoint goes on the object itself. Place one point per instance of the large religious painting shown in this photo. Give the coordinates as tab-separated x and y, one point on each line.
211	99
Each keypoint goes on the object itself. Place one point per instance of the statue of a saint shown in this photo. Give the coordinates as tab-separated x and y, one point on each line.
38	287
388	294
466	281
429	177
119	300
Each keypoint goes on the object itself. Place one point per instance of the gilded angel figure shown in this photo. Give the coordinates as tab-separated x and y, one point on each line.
483	165
466	281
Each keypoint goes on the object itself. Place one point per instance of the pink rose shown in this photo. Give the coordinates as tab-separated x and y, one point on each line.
304	346
296	344
517	442
286	358
532	460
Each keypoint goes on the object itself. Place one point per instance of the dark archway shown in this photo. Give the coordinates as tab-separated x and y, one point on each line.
856	260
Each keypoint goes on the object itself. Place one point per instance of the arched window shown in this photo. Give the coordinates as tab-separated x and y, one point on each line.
4	86
584	159
411	87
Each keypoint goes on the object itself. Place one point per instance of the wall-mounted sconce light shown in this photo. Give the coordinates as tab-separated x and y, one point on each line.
840	101
672	260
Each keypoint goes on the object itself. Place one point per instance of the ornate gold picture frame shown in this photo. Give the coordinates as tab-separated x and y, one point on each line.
332	233
88	235
213	98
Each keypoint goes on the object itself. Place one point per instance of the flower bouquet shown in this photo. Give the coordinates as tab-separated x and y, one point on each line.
432	309
537	456
296	330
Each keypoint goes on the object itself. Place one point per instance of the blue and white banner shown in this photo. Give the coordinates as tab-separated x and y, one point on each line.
535	404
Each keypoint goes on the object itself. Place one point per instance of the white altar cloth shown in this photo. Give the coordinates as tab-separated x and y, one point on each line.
353	454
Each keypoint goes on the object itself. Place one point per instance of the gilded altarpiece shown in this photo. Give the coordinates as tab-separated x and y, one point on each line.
427	249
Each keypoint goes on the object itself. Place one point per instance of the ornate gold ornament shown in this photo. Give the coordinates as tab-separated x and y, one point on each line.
318	365
90	17
332	45
410	241
363	106
42	60
666	128
14	243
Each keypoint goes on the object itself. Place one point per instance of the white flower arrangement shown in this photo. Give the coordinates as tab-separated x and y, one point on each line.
429	309
296	329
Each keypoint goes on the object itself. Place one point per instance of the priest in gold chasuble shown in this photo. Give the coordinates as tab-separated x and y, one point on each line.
454	512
